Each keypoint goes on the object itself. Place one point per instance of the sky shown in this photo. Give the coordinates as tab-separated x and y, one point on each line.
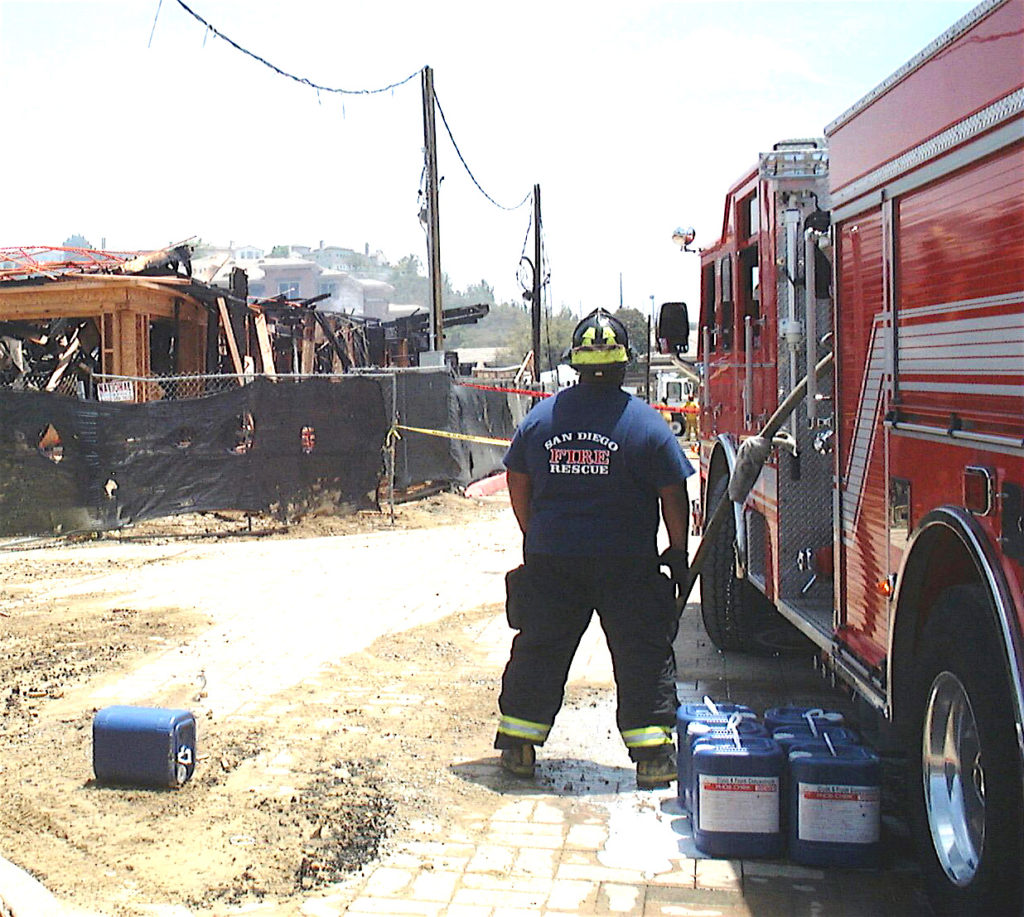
127	121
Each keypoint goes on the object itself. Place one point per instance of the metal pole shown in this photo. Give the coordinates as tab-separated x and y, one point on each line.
811	323
535	302
650	319
433	218
647	373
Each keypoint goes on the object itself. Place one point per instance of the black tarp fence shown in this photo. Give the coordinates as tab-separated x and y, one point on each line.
479	413
286	447
430	400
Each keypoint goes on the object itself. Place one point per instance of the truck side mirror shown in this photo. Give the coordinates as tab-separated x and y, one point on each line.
673	328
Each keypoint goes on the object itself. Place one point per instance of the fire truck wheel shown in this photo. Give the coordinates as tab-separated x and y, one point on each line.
733	611
964	766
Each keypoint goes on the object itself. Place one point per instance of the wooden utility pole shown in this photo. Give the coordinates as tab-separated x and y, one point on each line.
433	219
535	302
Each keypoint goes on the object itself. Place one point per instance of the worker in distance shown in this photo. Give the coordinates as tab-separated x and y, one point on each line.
587	472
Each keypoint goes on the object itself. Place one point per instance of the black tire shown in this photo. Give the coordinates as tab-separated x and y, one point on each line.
733	611
960	704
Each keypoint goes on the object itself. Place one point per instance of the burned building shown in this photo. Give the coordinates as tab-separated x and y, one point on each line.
65	323
129	389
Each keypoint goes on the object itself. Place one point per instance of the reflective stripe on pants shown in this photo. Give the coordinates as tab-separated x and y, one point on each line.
647	737
536	733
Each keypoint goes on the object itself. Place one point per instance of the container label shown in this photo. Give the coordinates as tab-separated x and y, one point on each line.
835	814
746	805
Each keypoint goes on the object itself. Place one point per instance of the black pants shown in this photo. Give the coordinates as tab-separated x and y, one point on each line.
636	607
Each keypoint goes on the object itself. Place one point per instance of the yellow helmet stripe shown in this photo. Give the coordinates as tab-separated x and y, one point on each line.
595	355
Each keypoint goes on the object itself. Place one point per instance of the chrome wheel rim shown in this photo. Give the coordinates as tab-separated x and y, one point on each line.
954	779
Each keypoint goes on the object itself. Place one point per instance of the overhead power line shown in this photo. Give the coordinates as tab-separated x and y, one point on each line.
159	4
292	76
458	152
526	238
319	87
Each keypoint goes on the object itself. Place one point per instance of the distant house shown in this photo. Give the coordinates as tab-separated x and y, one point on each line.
335	258
295	278
247	252
307	273
364	265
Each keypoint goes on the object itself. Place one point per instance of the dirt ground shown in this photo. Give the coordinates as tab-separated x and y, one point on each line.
283	802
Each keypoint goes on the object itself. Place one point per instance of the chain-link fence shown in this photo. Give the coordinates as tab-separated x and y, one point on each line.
163	388
41	382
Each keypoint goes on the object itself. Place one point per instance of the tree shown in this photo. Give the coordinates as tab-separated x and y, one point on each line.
481	292
280	251
410	285
636	327
555	336
502	325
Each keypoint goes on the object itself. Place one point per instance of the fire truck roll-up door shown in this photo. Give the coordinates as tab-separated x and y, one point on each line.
933	379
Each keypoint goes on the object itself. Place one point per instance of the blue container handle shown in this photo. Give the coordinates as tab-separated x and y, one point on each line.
810	715
734	727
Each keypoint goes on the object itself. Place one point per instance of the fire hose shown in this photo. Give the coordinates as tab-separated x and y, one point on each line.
739	494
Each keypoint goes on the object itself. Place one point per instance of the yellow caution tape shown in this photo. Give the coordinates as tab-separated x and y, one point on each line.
486	440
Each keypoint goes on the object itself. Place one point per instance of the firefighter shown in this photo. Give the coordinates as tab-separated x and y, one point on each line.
587	472
691	415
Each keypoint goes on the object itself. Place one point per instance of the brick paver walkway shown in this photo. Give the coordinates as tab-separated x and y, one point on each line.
581	839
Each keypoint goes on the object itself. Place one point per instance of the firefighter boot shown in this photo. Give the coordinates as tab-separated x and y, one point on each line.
520	760
656	771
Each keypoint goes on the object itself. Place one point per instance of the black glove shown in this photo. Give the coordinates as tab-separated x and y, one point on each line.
678	564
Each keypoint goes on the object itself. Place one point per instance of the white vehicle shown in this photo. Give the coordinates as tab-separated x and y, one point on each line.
669	393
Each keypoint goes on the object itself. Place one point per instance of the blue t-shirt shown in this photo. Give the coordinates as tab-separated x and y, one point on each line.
596	457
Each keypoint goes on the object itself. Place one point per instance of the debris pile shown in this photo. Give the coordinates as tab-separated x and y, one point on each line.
72	320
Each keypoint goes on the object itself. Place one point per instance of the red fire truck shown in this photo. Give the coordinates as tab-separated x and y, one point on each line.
887	523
